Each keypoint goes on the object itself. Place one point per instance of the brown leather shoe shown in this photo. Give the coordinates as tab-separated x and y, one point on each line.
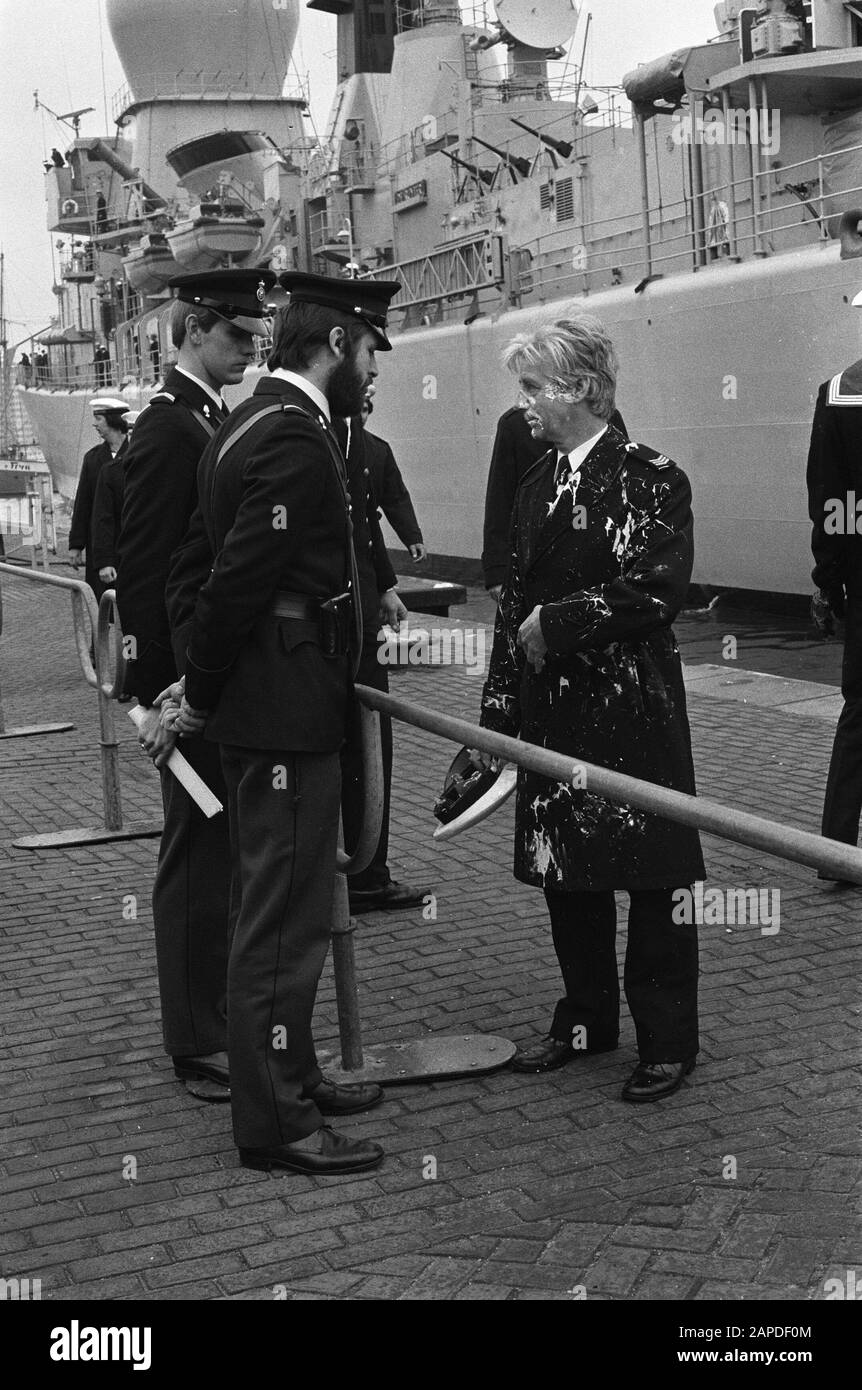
550	1053
334	1099
336	1154
655	1080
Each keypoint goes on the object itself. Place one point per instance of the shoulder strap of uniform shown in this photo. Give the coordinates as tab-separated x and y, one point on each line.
649	456
237	434
167	398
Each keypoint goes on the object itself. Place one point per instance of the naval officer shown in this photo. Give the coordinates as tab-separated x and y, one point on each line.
834	479
214	325
109	414
585	662
276	633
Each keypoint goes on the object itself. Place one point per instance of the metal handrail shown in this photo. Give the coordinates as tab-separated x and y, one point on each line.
837	860
89	626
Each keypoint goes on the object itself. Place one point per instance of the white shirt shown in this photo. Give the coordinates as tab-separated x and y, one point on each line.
303	384
213	395
578	456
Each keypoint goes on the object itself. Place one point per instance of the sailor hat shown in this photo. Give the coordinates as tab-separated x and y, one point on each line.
106	405
241	297
470	794
367	299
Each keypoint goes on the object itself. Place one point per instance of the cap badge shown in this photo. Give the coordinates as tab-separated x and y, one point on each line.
261	291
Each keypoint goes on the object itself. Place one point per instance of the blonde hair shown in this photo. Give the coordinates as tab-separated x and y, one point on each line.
567	349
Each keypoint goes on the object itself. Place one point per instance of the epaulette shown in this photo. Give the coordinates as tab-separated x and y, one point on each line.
645	454
846	387
162	398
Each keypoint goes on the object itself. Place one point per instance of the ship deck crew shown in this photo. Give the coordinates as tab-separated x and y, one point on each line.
108	414
585	662
374	480
834	477
275	636
214	323
516	450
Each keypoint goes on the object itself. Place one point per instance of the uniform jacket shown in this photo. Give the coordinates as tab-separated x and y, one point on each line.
160	496
108	510
515	453
390	491
834	471
611	690
376	574
81	532
276	518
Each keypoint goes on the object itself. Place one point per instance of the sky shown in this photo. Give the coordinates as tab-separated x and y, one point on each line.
63	50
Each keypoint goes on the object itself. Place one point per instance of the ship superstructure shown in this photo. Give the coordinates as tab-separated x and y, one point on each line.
702	209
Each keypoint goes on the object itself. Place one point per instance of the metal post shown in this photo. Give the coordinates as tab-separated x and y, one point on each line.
640	125
90	623
698	219
763	112
425	1059
755	171
733	229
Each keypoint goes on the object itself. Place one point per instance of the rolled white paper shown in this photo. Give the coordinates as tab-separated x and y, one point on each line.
186	775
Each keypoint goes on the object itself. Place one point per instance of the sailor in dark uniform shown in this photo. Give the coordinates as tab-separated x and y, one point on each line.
277	630
834	487
373	888
108	415
216	319
585	662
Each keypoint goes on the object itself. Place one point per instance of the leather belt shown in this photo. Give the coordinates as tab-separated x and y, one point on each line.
296	606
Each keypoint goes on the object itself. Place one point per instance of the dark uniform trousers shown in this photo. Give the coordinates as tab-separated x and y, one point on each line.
190	897
283	812
843	804
373	673
660	977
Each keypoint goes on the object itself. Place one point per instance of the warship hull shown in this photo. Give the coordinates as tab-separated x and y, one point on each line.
719	370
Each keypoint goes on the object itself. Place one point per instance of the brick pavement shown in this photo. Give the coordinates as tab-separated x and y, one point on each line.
741	1187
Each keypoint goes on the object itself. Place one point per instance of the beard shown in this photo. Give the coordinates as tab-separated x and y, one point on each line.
346	390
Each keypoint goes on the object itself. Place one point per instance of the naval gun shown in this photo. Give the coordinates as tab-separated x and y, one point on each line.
514	161
560	147
485	176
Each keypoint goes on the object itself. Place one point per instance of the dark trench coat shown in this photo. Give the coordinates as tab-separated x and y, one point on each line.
609	561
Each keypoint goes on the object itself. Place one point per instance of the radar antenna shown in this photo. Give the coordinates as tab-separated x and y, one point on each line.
542	24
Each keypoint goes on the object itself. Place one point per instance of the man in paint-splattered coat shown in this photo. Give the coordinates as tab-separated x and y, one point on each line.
585	662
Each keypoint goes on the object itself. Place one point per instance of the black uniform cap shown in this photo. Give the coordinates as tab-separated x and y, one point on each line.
367	299
242	297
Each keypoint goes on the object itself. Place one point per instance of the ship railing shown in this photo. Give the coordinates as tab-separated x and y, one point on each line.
420	15
793	207
192	86
71	378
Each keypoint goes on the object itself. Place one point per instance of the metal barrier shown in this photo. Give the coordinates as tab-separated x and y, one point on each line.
91	625
837	860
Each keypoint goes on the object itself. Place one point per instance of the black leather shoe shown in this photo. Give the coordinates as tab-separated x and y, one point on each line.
333	1099
337	1154
655	1080
550	1053
193	1069
388	898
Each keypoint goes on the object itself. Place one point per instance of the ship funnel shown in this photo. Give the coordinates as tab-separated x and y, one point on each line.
850	236
183	47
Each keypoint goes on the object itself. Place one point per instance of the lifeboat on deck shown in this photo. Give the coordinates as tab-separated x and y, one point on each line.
150	265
